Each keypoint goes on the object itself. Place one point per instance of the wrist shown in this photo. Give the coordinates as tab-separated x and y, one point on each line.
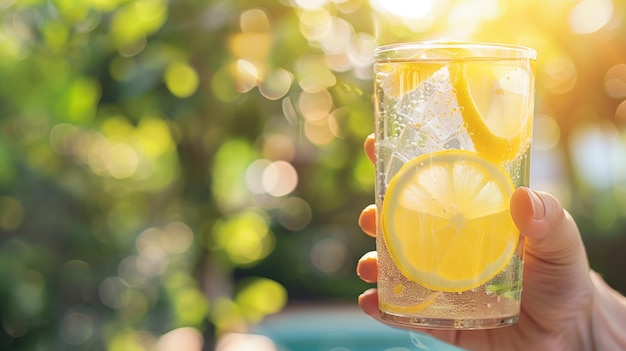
608	316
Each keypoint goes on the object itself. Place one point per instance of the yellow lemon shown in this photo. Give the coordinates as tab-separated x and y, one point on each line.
429	300
446	220
399	78
496	99
496	102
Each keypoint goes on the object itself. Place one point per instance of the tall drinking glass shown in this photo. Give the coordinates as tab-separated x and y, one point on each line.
453	133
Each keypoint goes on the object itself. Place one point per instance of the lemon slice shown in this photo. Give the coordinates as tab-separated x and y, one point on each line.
400	78
428	301
446	220
496	103
496	99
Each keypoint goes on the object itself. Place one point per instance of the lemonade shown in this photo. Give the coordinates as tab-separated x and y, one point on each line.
453	134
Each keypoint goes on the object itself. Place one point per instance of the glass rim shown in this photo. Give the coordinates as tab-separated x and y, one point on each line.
523	51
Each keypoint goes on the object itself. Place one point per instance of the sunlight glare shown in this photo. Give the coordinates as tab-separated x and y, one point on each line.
279	178
589	16
620	112
615	81
596	150
402	8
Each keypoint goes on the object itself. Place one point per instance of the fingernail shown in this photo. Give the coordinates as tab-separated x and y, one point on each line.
539	209
369	256
366	292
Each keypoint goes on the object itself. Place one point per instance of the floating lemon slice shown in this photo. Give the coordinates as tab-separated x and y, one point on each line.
496	103
429	300
495	98
399	78
446	220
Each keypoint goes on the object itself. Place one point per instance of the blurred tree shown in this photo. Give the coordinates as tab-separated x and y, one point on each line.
170	170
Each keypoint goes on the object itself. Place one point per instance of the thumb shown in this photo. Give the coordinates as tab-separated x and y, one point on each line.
551	233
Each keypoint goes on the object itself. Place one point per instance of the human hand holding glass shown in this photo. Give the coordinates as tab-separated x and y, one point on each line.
565	305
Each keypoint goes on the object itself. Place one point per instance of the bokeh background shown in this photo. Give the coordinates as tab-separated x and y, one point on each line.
174	170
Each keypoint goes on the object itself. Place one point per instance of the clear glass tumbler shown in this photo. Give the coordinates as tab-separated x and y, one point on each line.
453	132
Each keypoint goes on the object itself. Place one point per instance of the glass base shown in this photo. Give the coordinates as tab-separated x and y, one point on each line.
449	323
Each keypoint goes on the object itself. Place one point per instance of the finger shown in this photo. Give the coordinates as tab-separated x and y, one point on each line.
368	301
367	267
367	220
368	146
550	231
555	262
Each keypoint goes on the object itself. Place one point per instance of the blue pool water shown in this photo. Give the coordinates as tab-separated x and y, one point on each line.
341	328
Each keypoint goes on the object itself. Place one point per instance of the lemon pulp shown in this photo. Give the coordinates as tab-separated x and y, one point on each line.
496	107
446	220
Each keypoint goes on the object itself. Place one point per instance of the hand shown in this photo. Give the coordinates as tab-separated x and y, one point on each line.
559	294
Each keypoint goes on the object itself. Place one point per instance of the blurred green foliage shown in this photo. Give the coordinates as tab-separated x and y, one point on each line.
171	170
